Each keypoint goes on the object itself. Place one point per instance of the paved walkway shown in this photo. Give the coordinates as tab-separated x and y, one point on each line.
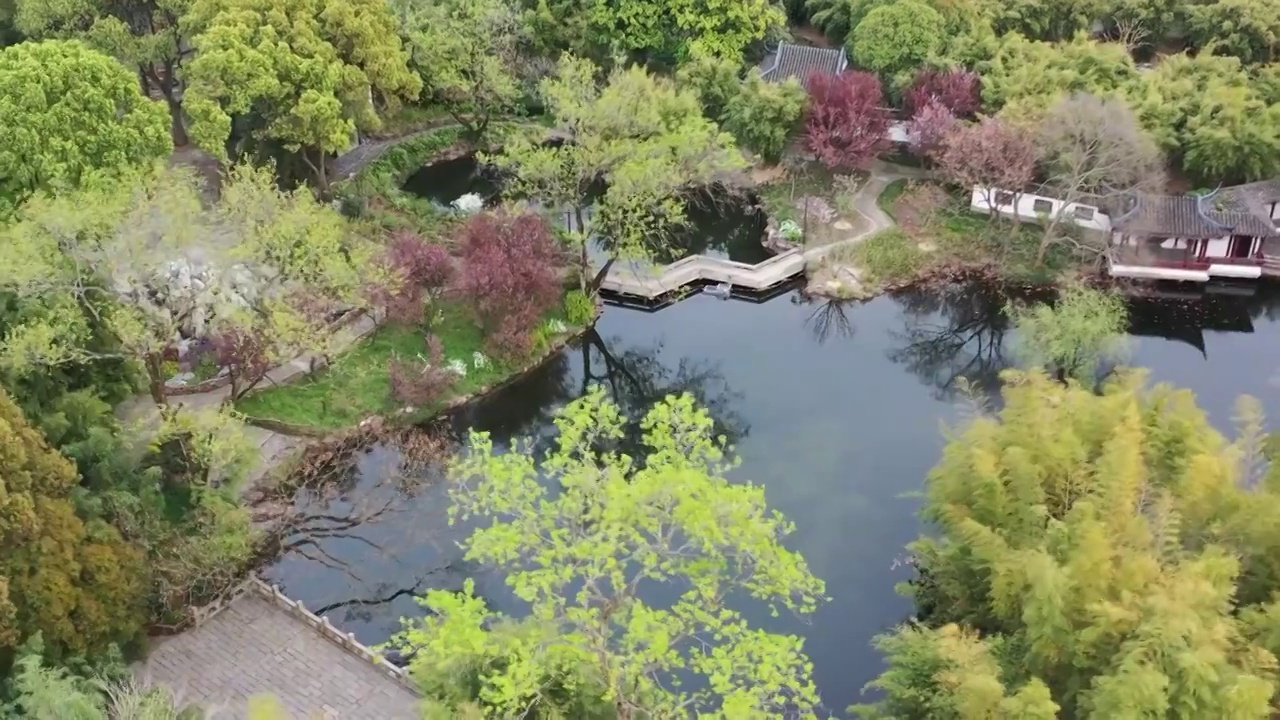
254	647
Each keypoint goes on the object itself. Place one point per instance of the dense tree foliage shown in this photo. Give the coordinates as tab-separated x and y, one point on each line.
511	274
713	78
641	135
847	122
593	635
305	75
1108	548
1074	336
467	53
667	31
896	40
70	111
1245	29
763	116
77	583
143	34
1032	75
957	90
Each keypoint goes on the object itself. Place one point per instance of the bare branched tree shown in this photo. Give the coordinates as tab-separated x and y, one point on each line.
1132	34
1094	150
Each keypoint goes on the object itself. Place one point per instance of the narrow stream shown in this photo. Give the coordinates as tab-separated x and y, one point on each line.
836	409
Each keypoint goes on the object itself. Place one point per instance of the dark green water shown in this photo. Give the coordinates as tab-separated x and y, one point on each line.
837	410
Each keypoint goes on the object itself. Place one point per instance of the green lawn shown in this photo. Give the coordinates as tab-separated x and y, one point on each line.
358	383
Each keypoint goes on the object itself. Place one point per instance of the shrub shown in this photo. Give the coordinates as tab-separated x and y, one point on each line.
713	79
579	309
509	273
762	116
422	383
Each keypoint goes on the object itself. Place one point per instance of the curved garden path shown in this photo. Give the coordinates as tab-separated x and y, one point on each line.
867	204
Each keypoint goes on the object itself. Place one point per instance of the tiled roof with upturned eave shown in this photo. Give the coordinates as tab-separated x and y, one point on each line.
1185	216
799	62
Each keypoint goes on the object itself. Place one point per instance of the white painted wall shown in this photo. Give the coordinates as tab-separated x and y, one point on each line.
1031	208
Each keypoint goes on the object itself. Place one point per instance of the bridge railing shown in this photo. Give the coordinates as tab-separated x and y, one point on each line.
347	641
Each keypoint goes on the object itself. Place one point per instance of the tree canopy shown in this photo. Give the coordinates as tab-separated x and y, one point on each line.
305	75
75	582
467	53
143	34
69	112
1103	554
895	40
641	136
587	556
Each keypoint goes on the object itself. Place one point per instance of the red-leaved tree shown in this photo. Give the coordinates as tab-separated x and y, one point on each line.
245	354
848	123
510	274
928	130
422	273
957	90
990	157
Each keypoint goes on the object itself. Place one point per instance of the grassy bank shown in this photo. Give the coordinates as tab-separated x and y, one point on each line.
939	233
358	383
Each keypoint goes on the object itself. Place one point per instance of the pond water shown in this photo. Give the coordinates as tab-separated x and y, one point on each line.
720	224
836	409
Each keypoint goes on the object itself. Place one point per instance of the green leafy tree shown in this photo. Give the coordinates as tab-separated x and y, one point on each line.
1100	544
1246	29
305	75
104	259
144	34
896	40
1207	112
1033	75
585	556
673	31
714	79
75	582
763	116
1082	329
1051	20
70	111
467	54
1234	137
838	18
640	134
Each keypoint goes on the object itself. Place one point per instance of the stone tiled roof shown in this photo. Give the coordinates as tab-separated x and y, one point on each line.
1185	216
800	61
1255	197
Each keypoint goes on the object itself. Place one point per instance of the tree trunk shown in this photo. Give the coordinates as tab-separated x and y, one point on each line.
154	364
598	280
177	126
584	262
317	171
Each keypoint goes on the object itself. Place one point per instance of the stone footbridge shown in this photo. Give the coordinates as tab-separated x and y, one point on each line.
261	642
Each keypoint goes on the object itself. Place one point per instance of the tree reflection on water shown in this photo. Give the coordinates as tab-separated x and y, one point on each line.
954	338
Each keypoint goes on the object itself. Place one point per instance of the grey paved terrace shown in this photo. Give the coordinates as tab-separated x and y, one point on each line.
254	647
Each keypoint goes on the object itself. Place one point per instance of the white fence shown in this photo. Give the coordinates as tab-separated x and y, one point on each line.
1037	208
